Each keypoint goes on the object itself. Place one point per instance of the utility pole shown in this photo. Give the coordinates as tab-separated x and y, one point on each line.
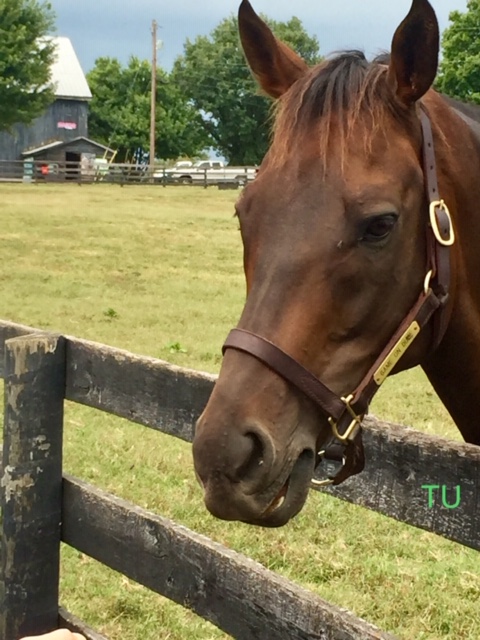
153	96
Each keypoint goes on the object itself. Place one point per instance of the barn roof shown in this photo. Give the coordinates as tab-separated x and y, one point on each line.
63	143
67	74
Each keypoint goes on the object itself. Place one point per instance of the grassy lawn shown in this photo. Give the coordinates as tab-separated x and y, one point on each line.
159	272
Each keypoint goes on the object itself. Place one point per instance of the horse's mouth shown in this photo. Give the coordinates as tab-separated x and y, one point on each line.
292	495
279	500
272	507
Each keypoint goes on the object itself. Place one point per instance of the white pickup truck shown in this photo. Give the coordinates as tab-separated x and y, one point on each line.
207	172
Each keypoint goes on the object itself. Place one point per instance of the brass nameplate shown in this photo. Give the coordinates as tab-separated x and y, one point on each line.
396	353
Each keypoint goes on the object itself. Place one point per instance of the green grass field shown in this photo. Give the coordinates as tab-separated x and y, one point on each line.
159	272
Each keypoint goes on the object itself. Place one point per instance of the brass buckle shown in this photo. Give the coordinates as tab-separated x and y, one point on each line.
434	223
356	421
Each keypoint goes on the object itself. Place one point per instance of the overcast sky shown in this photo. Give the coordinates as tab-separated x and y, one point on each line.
121	28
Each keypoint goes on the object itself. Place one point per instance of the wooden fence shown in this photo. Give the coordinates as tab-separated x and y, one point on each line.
41	507
47	172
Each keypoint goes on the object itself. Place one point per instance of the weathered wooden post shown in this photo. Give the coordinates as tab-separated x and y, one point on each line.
31	483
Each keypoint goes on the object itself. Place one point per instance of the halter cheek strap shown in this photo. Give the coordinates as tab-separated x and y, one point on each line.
345	413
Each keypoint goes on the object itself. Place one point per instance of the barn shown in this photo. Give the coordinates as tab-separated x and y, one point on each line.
60	134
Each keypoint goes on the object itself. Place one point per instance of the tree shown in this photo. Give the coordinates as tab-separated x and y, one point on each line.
459	75
120	110
26	57
213	74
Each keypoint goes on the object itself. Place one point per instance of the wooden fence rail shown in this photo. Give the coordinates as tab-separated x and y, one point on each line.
232	591
235	593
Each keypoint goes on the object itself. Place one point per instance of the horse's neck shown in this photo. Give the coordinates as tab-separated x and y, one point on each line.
454	369
454	372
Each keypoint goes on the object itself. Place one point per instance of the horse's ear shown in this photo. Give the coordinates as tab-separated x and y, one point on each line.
414	57
275	66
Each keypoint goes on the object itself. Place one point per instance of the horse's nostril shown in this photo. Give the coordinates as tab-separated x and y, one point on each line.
250	456
243	455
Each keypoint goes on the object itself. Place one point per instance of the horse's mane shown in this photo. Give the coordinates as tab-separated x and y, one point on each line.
337	93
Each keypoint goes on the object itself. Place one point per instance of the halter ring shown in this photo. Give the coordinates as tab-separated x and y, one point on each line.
327	481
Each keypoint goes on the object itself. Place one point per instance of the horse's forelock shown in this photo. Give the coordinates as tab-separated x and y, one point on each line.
336	94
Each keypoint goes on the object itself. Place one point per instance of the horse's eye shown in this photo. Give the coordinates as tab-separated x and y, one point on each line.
378	228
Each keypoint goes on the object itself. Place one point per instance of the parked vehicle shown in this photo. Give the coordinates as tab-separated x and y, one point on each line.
206	172
182	164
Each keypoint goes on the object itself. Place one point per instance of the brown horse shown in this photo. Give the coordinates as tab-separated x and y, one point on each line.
353	265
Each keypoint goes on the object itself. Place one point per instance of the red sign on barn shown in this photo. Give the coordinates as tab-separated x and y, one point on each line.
67	125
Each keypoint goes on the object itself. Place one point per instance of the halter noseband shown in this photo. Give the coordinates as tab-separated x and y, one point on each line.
345	414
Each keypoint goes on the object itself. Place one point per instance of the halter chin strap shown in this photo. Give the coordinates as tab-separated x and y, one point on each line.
345	413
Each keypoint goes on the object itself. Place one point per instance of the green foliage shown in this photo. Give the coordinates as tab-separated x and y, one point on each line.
459	74
26	56
213	74
120	110
176	347
110	313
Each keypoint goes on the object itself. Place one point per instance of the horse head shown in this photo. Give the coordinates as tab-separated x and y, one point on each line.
335	256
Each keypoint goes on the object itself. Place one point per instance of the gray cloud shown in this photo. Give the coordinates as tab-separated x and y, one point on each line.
122	28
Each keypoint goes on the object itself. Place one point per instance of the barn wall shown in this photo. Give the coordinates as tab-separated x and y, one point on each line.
45	129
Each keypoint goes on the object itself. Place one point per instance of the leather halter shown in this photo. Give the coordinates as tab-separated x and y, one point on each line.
345	414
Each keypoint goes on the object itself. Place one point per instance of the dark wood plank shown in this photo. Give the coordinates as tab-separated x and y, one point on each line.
67	620
150	392
144	390
31	483
399	462
235	593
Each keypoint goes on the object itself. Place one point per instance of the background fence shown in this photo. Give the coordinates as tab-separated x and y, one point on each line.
47	172
235	593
